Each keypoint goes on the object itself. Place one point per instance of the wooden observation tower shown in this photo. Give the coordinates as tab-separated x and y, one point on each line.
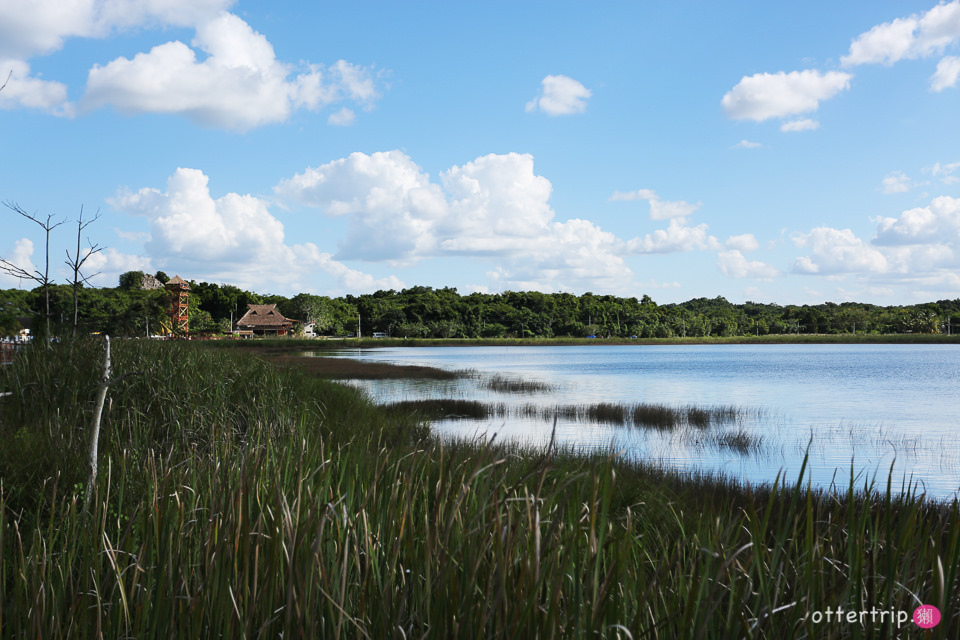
179	292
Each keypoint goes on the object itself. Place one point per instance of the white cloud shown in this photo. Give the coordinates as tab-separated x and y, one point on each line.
240	84
22	257
560	96
744	242
947	74
233	239
659	209
677	237
944	172
30	28
896	182
22	90
40	27
935	224
343	118
746	144
921	247
804	124
916	36
733	264
104	268
639	194
837	251
497	197
663	210
777	95
570	256
350	280
492	207
392	205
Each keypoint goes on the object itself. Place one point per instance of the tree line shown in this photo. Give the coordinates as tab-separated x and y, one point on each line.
425	312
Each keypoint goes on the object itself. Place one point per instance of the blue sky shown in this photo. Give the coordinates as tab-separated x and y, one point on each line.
759	151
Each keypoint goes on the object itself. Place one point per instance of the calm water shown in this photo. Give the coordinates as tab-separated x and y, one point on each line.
868	408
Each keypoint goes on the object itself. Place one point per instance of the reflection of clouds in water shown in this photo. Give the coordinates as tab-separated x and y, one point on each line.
861	413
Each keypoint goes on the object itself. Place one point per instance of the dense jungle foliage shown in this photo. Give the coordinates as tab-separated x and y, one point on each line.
424	312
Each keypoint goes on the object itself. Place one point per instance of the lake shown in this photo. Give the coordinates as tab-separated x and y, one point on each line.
865	408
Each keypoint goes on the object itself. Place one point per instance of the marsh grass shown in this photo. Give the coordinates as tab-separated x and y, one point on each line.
447	408
739	441
239	500
505	384
641	415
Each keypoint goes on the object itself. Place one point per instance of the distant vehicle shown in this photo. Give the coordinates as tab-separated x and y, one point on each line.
379	334
591	337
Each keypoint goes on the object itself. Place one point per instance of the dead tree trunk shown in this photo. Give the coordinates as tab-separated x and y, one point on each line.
95	427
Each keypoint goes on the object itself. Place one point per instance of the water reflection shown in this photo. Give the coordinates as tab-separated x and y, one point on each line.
865	408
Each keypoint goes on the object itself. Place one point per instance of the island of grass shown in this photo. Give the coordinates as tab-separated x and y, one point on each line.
239	498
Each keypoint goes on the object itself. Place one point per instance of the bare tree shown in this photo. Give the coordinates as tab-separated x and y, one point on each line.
75	262
19	272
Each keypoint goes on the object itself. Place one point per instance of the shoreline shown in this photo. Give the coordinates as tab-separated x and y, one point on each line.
319	344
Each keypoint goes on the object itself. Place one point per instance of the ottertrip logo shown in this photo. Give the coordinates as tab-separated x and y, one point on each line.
926	616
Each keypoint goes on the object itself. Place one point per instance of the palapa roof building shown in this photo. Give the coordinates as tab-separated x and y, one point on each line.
264	320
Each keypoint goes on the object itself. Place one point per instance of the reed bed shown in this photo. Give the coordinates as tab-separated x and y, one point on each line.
643	415
506	384
447	408
237	500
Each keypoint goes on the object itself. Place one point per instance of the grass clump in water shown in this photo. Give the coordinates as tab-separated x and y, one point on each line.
505	384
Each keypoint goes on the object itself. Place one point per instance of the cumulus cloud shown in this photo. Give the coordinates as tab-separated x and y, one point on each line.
639	194
916	36
659	209
778	95
493	206
744	242
342	118
31	28
945	172
733	264
746	144
22	257
947	74
677	237
560	96
233	238
837	251
937	223
919	247
24	90
392	205
573	255
104	267
238	86
896	182
804	124
40	27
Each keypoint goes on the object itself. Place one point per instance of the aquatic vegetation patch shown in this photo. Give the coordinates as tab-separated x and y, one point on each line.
504	384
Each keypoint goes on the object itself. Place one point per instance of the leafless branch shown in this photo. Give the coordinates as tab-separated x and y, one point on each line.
9	75
76	262
17	271
47	225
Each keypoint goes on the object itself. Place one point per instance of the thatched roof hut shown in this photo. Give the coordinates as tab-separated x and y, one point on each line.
264	320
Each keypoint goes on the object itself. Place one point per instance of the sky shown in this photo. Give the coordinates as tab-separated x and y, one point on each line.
789	153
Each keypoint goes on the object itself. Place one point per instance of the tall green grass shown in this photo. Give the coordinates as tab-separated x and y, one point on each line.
236	500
